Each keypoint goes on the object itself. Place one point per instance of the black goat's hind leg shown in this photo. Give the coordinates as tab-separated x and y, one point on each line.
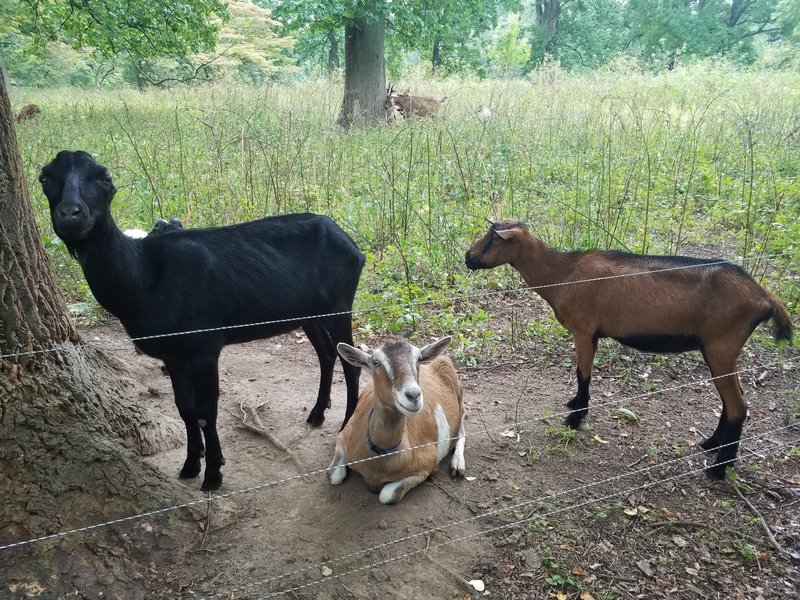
320	338
185	401
343	332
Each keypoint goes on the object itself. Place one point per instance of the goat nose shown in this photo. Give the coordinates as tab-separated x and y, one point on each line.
70	210
413	394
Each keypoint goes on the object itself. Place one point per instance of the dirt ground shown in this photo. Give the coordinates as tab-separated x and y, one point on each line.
533	518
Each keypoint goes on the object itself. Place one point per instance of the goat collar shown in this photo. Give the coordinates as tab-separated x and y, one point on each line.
376	449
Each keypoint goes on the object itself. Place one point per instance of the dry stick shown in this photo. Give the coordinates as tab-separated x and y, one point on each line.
259	428
637	461
463	582
767	530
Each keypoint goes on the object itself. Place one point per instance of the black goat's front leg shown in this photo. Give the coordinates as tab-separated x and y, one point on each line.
205	378
180	376
320	338
586	346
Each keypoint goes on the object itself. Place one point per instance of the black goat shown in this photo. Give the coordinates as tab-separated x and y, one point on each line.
681	304
277	271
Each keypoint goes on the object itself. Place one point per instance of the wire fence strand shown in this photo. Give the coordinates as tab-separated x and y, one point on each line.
300	319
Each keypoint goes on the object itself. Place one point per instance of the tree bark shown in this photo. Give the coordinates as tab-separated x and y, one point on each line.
70	446
547	15
436	59
364	69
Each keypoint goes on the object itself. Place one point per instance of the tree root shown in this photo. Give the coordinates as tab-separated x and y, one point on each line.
257	426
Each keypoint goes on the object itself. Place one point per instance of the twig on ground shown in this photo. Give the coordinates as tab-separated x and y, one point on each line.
257	426
207	522
764	525
612	577
463	582
637	461
497	366
486	429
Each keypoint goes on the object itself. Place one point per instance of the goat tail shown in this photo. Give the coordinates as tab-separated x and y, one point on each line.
783	324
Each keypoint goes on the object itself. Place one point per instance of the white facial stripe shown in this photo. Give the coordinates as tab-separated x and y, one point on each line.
381	358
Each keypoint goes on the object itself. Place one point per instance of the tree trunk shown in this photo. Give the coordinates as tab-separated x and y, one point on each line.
364	69
547	14
436	59
70	448
333	51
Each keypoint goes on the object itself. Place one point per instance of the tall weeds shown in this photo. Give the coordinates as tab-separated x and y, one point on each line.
701	161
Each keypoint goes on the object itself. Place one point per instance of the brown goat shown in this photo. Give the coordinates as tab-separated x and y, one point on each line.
408	105
28	112
414	399
681	304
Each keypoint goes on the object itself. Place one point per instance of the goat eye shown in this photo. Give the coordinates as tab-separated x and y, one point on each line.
44	180
376	362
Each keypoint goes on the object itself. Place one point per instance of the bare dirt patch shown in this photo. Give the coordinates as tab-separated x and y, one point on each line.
533	523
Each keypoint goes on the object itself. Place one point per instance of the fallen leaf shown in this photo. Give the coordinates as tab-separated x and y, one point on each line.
644	567
598	439
470	478
679	541
578	571
561	596
586	596
643	510
632	511
692	572
626	414
669	514
509	434
477	584
327	571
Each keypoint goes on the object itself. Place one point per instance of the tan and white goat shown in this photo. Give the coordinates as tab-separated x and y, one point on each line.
414	398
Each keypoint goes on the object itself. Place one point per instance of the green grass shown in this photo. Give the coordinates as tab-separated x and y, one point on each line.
702	159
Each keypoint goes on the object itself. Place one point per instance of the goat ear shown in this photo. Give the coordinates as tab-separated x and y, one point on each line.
431	351
356	357
405	332
506	234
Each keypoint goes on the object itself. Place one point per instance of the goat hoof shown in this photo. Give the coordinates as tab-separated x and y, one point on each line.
315	420
573	420
456	473
211	482
191	469
716	472
708	444
573	403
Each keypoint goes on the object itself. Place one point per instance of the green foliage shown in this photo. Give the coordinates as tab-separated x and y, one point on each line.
141	28
590	33
163	42
509	51
248	49
665	31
